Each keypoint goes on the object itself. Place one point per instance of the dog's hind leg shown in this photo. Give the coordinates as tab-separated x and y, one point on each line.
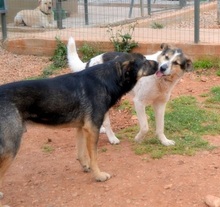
140	110
159	109
82	152
110	134
5	163
11	130
91	134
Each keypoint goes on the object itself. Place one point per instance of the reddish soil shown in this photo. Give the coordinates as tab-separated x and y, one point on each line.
54	179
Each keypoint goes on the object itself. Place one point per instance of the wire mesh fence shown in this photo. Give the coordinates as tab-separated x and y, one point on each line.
154	20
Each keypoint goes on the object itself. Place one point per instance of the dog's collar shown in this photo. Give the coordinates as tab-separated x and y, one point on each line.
44	12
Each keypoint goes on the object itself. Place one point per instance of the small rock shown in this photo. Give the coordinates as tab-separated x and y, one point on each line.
203	79
75	194
168	186
49	140
181	162
212	201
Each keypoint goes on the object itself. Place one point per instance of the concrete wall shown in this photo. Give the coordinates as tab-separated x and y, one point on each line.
14	6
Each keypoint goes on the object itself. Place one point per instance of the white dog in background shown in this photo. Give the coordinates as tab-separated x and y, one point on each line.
152	90
42	16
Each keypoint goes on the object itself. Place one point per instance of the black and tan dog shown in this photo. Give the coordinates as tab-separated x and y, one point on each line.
78	100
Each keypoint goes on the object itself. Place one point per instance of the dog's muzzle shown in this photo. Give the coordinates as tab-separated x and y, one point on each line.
162	69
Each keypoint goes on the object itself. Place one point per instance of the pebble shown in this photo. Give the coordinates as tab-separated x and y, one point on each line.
168	186
212	201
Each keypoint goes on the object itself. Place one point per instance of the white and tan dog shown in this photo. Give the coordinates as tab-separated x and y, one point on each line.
152	90
42	16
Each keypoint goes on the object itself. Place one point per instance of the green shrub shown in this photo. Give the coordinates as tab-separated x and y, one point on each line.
122	38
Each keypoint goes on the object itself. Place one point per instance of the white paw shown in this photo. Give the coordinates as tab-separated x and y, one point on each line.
102	176
114	140
168	142
1	196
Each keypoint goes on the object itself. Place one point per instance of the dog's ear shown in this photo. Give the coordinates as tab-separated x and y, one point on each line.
39	2
126	66
188	65
118	66
154	65
164	46
123	69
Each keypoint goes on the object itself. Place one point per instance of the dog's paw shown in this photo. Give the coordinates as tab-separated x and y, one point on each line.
1	196
86	168
114	140
102	176
168	142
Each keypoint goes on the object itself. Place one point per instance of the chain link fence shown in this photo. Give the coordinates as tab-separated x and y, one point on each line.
153	20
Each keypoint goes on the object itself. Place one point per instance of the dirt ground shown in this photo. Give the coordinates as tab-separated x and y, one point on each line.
54	179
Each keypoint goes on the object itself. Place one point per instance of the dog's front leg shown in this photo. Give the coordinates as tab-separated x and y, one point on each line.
82	153
159	109
140	110
110	134
92	140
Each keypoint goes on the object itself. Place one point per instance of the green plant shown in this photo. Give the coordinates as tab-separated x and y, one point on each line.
47	148
59	61
156	25
89	51
60	55
214	96
207	63
203	64
48	71
104	149
122	38
218	72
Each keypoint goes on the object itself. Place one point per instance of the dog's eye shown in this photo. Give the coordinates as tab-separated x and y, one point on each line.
166	57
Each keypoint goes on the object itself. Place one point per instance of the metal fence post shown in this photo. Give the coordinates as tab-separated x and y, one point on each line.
149	7
86	12
196	20
4	27
182	3
59	14
3	11
142	7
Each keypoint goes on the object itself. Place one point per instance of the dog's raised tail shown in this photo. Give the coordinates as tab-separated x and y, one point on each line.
74	61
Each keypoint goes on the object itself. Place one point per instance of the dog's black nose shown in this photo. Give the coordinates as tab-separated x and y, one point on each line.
163	67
